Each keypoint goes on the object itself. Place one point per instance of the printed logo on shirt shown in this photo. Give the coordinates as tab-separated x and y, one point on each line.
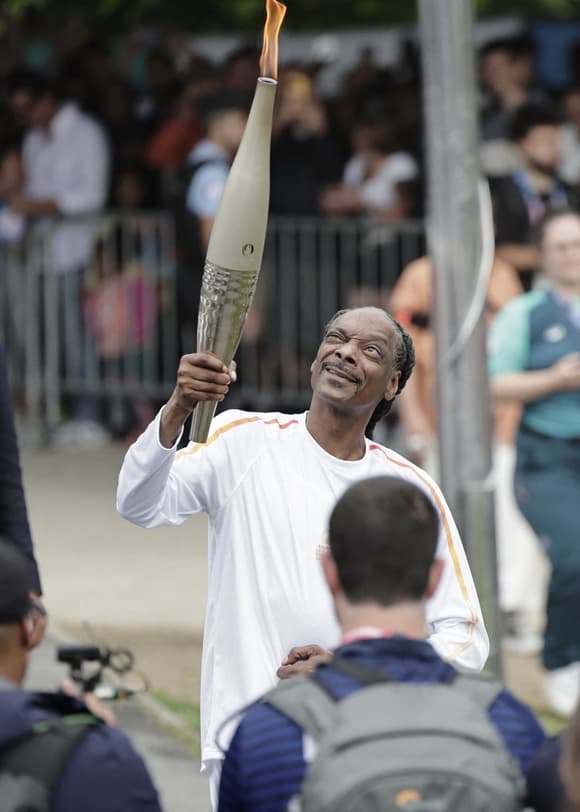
554	333
407	796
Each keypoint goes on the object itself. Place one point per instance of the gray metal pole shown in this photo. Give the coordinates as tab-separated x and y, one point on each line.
455	244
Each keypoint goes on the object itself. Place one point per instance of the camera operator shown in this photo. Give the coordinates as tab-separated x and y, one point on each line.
54	753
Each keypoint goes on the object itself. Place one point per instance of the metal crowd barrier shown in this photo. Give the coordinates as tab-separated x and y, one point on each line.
106	330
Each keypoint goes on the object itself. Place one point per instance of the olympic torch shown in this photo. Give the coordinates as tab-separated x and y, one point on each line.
236	245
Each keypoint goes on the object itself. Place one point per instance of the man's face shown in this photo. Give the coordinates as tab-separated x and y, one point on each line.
21	104
354	365
561	250
541	147
496	70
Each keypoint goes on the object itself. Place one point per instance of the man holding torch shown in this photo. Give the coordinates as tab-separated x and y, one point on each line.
268	482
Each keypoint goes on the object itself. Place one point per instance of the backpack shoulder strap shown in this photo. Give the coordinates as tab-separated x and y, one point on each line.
305	702
43	752
482	689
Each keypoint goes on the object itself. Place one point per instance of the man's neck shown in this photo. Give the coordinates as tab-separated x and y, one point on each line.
10	675
339	433
405	619
542	182
570	292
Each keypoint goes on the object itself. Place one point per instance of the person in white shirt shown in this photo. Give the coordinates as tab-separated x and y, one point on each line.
268	483
66	164
378	180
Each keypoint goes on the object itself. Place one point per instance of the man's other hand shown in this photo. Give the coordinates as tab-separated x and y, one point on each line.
303	660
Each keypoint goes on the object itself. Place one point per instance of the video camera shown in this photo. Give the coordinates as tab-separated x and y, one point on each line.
87	664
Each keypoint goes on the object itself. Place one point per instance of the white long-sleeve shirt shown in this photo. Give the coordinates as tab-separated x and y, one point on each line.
68	163
269	489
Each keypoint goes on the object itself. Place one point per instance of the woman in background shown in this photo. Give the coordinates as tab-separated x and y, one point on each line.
535	358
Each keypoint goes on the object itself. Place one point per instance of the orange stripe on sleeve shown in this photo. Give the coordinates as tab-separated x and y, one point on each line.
450	545
234	424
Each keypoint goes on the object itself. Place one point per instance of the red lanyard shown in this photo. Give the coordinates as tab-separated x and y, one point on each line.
365	633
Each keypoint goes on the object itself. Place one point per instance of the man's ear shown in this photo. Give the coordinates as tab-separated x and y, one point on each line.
330	573
26	627
392	385
435	575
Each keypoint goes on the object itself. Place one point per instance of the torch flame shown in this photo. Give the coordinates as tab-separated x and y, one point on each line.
275	12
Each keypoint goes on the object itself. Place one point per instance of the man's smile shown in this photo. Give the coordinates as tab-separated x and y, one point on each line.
340	372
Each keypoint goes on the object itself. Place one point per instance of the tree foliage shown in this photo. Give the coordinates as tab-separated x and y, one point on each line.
248	15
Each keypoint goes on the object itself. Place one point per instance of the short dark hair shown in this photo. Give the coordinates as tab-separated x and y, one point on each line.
36	85
213	105
528	116
549	217
404	363
383	538
516	46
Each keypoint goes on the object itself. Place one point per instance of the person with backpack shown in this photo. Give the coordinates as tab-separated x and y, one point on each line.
55	755
386	724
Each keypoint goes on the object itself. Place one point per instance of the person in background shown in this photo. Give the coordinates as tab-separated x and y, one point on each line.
569	169
522	198
14	524
381	568
124	131
570	763
506	70
66	170
241	70
305	156
198	194
378	180
535	359
178	134
101	771
520	569
159	90
11	183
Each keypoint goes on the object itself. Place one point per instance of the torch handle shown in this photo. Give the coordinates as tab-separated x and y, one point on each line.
226	296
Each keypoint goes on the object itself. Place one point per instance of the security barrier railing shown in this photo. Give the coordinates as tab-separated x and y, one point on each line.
104	333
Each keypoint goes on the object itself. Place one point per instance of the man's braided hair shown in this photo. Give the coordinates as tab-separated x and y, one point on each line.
404	363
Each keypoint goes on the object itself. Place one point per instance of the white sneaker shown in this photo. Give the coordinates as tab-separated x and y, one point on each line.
562	689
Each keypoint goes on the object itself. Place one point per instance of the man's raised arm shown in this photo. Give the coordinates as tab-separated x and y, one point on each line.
151	492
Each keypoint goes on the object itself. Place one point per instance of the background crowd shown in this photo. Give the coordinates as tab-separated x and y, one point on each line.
148	124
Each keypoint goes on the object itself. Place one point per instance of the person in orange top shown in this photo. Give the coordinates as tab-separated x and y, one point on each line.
411	303
519	565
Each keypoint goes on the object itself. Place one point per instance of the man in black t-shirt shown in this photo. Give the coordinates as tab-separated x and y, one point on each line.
522	198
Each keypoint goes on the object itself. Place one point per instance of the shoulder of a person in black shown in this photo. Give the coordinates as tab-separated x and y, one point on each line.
103	767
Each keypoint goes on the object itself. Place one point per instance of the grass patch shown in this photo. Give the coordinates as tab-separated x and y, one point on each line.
551	722
188	714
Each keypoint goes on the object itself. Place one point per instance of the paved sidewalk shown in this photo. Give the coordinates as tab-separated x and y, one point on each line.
175	771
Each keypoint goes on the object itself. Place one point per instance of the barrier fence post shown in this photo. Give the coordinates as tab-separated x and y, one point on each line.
455	244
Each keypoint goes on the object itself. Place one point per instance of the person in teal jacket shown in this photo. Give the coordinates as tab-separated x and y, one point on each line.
535	358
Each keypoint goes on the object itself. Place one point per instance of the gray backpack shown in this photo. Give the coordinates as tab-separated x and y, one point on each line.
392	746
31	765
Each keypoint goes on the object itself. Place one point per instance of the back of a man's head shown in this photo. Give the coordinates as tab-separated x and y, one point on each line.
383	538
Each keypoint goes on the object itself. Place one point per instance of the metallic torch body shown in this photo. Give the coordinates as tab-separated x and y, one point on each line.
236	246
